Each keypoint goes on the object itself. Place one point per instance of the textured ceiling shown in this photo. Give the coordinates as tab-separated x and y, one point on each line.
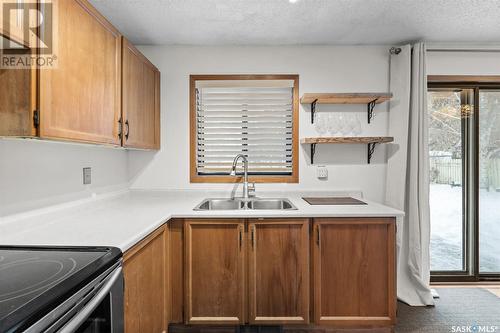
279	22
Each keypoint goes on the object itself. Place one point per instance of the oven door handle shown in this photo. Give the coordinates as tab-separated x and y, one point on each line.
85	312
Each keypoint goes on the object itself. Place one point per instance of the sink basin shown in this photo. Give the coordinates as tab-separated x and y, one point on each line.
281	204
220	204
251	204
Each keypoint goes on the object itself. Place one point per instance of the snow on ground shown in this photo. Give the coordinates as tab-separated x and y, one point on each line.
446	228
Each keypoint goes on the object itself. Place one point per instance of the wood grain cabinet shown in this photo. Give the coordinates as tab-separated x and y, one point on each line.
307	274
215	271
141	100
17	102
278	270
145	273
81	99
354	272
97	91
246	271
13	29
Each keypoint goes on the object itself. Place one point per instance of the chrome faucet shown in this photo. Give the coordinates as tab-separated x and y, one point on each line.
247	190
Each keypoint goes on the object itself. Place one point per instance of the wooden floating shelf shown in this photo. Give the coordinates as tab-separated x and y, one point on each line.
349	139
370	99
370	141
345	98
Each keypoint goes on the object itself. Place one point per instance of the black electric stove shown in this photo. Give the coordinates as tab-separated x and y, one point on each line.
36	280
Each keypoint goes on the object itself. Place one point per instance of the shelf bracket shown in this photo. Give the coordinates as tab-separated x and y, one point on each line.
371	149
313	110
313	151
370	106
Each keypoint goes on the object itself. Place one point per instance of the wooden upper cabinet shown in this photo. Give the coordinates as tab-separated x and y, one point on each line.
18	85
17	102
96	92
354	271
13	29
80	99
214	271
278	271
145	275
141	100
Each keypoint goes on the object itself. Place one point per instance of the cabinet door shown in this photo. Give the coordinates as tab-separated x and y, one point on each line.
279	271
80	98
13	28
18	101
214	271
141	100
18	85
144	270
354	271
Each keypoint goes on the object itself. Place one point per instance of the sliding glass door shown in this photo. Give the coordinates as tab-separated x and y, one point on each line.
449	152
464	153
489	181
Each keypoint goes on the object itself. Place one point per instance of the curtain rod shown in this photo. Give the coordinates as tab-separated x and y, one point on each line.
447	47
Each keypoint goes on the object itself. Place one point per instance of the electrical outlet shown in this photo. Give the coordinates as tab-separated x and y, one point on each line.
87	176
321	172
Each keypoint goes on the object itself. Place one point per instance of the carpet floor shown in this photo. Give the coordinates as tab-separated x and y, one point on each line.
472	310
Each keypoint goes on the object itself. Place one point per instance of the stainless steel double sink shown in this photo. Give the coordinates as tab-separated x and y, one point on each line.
248	204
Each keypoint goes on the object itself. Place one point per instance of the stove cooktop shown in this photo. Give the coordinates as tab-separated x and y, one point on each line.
34	280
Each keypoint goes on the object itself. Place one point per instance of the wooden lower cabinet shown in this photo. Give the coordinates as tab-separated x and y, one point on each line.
146	285
278	270
303	274
215	271
354	272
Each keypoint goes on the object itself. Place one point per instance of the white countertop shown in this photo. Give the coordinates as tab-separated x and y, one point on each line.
123	219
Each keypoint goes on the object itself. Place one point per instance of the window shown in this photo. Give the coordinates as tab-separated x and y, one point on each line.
254	115
465	183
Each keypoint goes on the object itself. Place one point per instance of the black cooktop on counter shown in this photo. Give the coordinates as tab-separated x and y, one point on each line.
35	279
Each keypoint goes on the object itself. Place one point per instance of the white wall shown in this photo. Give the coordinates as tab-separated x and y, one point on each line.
35	173
463	63
321	69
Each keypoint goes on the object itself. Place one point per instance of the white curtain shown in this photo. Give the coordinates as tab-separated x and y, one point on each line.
407	186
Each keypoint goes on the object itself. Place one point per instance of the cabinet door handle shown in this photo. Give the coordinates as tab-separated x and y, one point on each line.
253	236
128	130
120	128
241	237
317	235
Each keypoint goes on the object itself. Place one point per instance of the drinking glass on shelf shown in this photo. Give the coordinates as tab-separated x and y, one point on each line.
350	123
344	125
357	126
333	124
321	125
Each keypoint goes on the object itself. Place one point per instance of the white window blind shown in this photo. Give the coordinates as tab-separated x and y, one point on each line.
250	117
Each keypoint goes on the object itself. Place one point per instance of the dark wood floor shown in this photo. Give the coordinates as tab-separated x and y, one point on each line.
458	306
269	329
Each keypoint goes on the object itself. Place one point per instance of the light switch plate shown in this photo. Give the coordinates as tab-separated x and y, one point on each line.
87	176
321	172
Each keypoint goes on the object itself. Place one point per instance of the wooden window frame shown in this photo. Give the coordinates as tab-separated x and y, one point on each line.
293	178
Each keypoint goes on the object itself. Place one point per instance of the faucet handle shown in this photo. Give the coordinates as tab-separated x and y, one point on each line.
251	190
